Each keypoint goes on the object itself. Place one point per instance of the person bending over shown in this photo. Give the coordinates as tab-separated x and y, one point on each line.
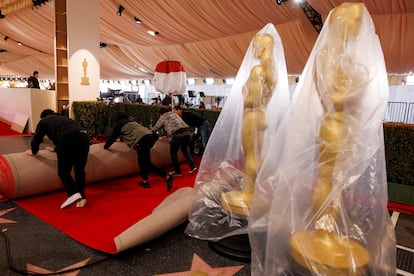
195	120
142	140
71	143
180	135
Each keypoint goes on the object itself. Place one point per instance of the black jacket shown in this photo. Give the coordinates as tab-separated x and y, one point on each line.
56	127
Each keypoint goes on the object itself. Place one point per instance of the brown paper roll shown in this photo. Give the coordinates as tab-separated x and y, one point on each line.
23	175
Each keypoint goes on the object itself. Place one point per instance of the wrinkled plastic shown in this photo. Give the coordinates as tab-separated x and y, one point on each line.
222	168
354	210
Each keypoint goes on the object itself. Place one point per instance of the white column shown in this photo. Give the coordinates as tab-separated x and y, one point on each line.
83	49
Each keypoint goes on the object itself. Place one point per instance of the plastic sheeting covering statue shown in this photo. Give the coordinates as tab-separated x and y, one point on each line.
225	184
329	212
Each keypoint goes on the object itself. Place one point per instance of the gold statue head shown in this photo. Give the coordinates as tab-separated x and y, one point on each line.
346	20
262	44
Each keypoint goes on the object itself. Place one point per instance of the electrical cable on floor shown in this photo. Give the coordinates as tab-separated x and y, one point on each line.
26	272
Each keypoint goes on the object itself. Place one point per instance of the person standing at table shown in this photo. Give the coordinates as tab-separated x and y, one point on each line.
33	81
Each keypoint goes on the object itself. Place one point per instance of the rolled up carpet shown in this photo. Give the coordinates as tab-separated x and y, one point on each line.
23	175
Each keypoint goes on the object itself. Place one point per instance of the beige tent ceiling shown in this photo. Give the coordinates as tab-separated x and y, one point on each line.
209	37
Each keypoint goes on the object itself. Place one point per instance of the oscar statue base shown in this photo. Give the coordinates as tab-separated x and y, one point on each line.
328	253
84	81
237	202
235	247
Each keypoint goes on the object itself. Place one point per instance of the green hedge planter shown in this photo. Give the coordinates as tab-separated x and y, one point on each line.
98	118
400	193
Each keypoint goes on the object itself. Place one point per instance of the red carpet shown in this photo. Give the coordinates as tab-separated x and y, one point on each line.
402	208
112	207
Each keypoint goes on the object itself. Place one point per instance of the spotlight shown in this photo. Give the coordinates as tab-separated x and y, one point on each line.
2	15
102	45
19	43
120	10
137	20
6	37
279	2
153	33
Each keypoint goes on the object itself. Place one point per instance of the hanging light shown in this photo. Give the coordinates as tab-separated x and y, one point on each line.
120	10
153	33
137	20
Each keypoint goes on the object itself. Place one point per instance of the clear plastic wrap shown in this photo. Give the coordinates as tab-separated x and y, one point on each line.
246	126
328	214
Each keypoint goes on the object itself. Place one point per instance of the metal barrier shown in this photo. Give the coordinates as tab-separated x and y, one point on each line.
400	112
409	119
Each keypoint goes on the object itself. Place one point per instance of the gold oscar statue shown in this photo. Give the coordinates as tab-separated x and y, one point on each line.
257	91
85	79
323	251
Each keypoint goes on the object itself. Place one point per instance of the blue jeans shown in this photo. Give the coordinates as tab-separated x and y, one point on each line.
205	131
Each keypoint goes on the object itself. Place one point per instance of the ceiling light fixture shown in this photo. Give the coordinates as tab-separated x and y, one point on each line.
137	20
6	37
2	15
153	33
102	45
280	2
19	43
120	10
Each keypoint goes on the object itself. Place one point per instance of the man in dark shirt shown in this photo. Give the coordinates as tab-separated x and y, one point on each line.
32	81
142	140
167	99
72	148
139	99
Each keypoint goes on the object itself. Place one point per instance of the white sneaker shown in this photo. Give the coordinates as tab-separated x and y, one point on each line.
193	170
72	199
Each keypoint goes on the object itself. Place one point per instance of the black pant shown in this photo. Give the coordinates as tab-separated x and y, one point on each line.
144	147
73	153
180	142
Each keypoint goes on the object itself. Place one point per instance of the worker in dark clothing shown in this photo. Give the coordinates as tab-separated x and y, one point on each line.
71	143
33	81
196	121
142	140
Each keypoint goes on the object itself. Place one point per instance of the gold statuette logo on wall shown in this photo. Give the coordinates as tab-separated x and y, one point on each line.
85	79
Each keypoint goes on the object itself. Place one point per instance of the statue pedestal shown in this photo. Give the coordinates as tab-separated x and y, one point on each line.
235	247
84	81
328	253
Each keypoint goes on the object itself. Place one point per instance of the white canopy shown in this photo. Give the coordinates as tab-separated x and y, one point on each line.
209	37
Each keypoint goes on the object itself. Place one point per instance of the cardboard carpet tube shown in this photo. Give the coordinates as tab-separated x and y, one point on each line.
23	175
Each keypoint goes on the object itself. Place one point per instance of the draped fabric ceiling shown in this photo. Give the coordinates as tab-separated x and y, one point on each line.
209	37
